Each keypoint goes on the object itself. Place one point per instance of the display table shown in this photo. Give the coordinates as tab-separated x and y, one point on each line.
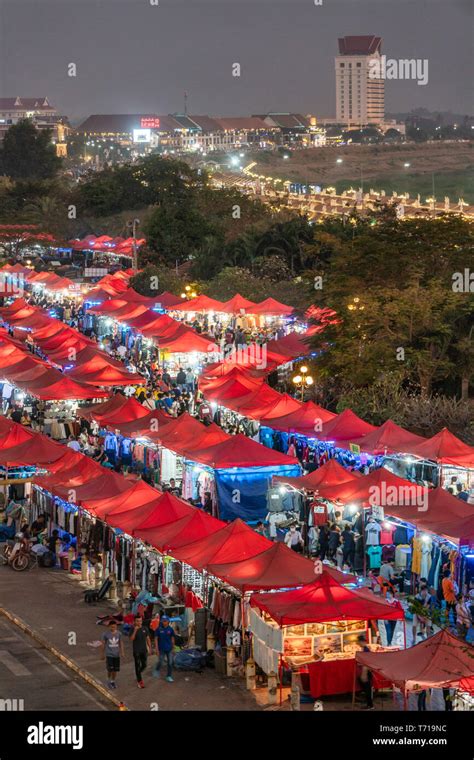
337	677
331	677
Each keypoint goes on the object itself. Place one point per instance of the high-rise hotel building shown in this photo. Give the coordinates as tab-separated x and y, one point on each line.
360	98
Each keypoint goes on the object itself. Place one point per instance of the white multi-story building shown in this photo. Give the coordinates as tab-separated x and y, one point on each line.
360	98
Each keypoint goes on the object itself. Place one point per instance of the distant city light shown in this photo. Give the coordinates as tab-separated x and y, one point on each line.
339	161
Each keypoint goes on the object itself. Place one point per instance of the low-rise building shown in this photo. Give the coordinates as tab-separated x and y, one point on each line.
40	112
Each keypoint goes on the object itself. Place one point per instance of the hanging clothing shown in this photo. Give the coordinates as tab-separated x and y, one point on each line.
416	557
372	533
426	549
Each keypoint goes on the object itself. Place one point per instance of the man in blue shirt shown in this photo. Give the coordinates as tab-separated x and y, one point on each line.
164	644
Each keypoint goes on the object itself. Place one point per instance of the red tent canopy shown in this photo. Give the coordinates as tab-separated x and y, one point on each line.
194	527
109	307
98	411
168	509
440	661
272	307
389	438
167	300
107	376
121	410
330	474
277	567
234	542
380	487
322	601
12	434
238	305
17	305
99	371
347	426
444	447
306	420
35	450
442	514
90	352
282	407
148	426
200	303
132	499
15	269
240	451
185	340
289	347
256	404
234	386
105	484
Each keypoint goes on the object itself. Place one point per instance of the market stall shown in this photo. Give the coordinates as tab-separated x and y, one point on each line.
316	630
442	661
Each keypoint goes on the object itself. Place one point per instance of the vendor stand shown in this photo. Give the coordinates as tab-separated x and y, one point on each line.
320	627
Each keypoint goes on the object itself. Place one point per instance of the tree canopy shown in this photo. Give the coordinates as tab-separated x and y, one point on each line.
27	153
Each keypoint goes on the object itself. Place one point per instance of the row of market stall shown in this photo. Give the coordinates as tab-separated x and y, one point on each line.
123	518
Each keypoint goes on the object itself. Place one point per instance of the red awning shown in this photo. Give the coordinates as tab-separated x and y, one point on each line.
347	426
306	420
238	305
277	567
444	447
442	513
380	487
389	438
440	661
283	406
330	474
200	303
272	307
120	410
186	340
325	600
240	451
289	347
194	527
232	543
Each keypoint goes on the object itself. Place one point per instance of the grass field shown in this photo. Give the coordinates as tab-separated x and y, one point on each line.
382	168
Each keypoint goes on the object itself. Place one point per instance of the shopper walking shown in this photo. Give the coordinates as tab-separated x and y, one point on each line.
449	594
141	649
164	645
112	650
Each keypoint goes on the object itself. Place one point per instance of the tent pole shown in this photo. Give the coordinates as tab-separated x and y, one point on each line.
280	675
405	634
363	542
354	684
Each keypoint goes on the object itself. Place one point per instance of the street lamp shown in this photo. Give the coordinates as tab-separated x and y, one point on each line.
303	380
133	224
355	305
338	160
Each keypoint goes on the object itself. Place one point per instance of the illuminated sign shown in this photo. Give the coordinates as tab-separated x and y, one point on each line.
141	135
150	122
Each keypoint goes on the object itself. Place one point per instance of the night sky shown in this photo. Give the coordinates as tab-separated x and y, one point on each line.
134	57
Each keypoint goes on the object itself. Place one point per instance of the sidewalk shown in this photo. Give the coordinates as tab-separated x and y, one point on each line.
51	603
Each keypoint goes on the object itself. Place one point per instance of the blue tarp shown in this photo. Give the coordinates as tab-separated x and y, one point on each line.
243	492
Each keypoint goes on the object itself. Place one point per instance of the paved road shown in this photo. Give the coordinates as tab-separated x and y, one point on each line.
51	603
30	673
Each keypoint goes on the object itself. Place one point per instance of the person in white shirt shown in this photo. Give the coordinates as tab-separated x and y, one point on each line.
73	444
7	391
294	539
